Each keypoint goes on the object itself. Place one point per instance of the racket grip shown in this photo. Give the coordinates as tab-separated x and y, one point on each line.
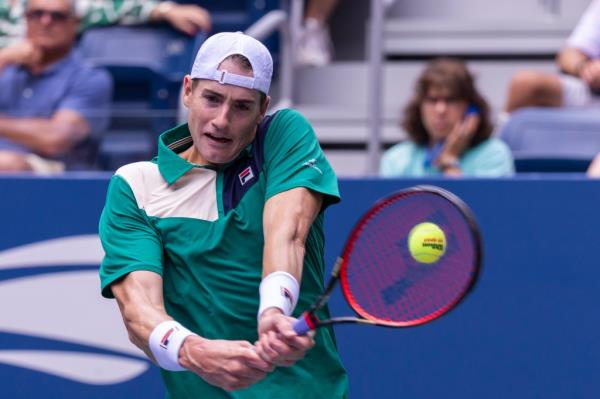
304	324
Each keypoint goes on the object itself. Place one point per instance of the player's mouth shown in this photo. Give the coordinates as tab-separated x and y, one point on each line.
217	139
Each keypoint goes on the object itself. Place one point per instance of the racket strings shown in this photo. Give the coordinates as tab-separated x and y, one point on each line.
382	280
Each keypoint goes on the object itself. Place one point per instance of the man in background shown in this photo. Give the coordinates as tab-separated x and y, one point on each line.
52	105
579	61
188	18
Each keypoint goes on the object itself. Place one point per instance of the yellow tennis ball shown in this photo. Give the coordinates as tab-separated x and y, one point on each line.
426	242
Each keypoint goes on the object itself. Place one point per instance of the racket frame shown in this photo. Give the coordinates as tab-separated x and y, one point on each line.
339	269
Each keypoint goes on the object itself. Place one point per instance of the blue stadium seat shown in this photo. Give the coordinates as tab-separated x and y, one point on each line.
553	139
147	64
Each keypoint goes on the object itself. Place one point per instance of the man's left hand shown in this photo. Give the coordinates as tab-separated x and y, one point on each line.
277	342
590	73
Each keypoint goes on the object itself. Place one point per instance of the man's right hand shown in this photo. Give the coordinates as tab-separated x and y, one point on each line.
22	53
590	73
230	365
459	139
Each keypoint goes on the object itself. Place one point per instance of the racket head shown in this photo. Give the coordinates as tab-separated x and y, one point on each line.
381	280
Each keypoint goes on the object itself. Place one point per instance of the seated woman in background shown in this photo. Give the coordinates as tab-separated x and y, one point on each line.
449	129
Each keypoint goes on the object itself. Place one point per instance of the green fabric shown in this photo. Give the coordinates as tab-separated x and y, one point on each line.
129	239
171	165
492	158
212	269
294	158
12	22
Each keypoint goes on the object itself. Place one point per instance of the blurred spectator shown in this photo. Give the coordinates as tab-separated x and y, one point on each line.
188	18
449	129
51	104
594	169
315	47
579	62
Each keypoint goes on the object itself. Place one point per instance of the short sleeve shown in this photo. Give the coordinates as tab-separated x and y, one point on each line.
129	240
294	158
586	35
90	95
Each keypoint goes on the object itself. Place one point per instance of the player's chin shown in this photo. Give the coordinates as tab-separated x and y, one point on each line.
219	158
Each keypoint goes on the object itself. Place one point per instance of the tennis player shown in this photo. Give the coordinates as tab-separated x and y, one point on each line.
213	246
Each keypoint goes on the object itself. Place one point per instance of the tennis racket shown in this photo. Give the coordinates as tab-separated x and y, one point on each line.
381	280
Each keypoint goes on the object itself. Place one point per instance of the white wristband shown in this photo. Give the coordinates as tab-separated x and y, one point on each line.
165	341
279	290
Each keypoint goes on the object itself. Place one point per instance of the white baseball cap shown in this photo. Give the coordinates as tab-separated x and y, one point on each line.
220	46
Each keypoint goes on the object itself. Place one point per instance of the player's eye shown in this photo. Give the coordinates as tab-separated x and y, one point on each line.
242	106
211	98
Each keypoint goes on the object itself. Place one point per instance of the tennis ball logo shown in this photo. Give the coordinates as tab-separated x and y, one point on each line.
426	242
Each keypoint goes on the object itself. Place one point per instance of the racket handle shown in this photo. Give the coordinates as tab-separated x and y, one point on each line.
304	324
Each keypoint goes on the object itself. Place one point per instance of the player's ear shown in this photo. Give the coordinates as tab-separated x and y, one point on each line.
188	88
264	106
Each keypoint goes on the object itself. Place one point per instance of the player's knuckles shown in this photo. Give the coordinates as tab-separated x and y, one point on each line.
270	352
281	349
264	346
304	343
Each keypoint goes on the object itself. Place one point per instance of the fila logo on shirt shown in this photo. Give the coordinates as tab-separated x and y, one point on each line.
246	175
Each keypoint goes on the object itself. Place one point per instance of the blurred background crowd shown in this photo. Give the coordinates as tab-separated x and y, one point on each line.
469	88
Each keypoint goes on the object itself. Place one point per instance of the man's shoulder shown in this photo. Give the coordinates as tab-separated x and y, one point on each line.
288	115
86	70
139	177
286	123
137	170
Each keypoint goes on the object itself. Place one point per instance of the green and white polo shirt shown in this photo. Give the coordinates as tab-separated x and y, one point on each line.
200	228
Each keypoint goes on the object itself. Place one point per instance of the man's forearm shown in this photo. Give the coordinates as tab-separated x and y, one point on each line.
45	136
139	296
287	219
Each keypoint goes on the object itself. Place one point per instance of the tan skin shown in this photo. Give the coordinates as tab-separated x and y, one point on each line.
532	88
223	120
48	41
594	168
577	63
188	18
320	9
443	118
